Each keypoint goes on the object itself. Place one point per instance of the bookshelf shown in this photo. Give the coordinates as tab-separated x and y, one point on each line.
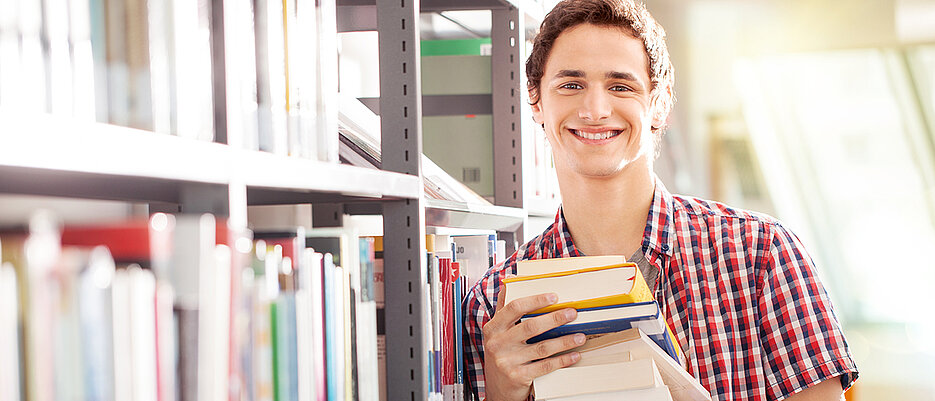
53	155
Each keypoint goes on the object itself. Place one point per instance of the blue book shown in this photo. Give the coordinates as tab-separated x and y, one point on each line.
645	316
459	327
334	330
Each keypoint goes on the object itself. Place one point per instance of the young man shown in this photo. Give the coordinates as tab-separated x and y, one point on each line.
738	289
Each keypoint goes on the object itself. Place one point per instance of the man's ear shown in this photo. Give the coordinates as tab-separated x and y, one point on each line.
662	106
536	108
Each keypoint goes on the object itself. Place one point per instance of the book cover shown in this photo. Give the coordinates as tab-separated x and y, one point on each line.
271	80
646	316
379	299
473	253
576	380
334	329
637	345
367	371
660	393
142	313
193	103
95	305
583	288
139	75
317	316
555	265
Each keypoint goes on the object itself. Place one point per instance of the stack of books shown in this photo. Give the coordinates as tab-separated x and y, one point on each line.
630	353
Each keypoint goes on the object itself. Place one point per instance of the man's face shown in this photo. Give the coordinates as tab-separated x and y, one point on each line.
595	101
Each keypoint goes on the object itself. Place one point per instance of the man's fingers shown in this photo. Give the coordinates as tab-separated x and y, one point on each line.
530	328
552	364
547	348
507	316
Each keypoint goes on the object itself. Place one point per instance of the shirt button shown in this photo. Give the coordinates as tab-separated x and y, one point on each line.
665	247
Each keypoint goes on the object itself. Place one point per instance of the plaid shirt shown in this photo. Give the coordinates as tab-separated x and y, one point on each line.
738	289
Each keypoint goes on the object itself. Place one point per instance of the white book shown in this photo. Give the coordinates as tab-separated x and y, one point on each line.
240	74
161	61
472	252
98	39
122	334
637	345
303	329
660	393
617	376
142	291
165	341
217	334
82	57
118	70
301	66
32	81
9	54
191	275
543	266
327	82
194	97
139	89
271	76
58	59
9	334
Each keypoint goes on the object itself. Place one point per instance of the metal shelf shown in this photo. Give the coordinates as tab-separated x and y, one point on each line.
440	213
48	155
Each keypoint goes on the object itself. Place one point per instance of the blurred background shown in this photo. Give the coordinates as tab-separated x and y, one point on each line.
822	113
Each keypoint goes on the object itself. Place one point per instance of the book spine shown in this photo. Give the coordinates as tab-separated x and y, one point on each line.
58	59
271	69
9	334
193	101
326	88
83	74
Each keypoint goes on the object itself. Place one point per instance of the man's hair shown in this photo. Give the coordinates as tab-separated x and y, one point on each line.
629	15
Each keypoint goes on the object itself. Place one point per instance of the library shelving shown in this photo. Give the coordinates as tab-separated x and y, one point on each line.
50	155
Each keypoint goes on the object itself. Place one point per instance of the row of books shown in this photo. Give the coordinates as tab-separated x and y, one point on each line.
257	74
183	307
630	351
455	264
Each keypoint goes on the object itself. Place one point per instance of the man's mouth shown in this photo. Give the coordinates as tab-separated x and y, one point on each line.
595	136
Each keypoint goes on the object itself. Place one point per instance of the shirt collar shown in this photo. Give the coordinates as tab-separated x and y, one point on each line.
658	236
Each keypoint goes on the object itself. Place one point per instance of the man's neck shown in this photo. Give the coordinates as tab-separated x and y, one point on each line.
607	216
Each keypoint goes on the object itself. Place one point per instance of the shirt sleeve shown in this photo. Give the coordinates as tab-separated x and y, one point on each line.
802	340
476	314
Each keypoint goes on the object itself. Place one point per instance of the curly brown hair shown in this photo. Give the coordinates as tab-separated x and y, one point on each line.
628	15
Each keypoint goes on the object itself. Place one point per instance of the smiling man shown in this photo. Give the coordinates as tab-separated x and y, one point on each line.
738	289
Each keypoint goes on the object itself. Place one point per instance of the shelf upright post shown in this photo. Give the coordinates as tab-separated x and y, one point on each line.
403	221
507	38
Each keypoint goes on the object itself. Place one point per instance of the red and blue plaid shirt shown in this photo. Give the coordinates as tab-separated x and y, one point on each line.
738	289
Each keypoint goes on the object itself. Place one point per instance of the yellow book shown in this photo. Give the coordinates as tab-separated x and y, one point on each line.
583	288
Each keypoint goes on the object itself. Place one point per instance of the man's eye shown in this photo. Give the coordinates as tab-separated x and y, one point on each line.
571	85
620	88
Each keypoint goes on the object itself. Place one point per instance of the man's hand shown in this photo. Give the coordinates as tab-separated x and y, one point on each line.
510	364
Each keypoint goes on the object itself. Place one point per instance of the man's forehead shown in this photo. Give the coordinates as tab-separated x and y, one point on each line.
596	51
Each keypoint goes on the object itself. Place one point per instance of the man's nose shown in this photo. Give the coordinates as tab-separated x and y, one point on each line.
596	106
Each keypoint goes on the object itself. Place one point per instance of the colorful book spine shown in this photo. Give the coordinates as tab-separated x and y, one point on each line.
652	324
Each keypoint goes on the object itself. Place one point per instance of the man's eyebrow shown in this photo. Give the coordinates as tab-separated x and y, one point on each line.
626	76
570	73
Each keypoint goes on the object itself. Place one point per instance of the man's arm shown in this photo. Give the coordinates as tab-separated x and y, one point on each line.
828	390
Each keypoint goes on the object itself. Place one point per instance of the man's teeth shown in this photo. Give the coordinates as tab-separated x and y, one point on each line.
596	135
